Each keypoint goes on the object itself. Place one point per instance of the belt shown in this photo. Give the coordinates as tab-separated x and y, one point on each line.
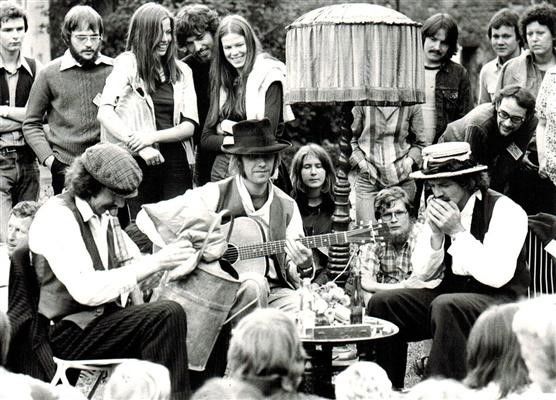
10	149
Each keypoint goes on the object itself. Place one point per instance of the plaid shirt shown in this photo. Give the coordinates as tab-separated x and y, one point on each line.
381	262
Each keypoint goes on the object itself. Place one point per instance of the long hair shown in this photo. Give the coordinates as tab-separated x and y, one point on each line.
144	34
226	76
442	21
322	155
493	353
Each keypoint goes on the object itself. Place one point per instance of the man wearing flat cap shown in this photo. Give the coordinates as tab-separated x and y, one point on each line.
250	193
473	240
83	289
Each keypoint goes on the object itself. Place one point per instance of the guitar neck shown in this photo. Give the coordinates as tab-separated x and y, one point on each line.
277	246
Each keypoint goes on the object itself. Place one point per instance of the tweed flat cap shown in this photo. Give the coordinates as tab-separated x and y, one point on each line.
114	167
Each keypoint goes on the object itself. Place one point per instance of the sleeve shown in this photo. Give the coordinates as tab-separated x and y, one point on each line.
70	261
547	88
37	106
484	95
493	261
9	125
189	109
210	139
502	79
417	130
476	137
118	80
357	155
427	263
273	104
369	261
294	230
466	95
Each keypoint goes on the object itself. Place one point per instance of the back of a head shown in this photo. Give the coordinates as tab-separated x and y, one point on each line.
440	389
265	345
363	381
137	379
227	389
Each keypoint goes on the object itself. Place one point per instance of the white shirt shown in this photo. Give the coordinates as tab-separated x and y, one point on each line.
55	234
491	262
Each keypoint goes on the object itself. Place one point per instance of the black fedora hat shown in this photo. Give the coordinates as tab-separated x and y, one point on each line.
254	136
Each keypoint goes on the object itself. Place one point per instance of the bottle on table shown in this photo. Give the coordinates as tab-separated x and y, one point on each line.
357	302
307	317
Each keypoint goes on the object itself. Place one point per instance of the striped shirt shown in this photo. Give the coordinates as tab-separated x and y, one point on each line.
384	137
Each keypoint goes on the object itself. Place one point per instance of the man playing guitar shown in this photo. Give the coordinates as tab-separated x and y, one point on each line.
250	193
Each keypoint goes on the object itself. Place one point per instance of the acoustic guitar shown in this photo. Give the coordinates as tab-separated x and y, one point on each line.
248	247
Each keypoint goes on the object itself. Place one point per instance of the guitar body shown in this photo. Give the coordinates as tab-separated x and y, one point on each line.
244	232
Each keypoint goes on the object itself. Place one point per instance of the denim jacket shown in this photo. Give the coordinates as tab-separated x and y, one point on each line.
453	96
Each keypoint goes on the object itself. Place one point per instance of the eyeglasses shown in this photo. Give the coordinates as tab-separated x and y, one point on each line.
513	118
84	38
387	217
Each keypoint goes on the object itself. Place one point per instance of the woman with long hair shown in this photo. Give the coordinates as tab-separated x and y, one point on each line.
149	106
494	361
312	175
245	84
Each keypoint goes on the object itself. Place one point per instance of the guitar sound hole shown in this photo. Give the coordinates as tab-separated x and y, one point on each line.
231	254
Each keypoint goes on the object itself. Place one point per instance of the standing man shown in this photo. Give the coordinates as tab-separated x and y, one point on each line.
503	33
196	25
447	86
83	287
251	194
473	240
498	133
67	91
19	172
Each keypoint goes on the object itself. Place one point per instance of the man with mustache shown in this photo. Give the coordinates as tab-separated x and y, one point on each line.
505	39
196	25
472	242
19	172
68	91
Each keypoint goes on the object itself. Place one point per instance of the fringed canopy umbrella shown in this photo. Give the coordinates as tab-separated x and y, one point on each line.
360	54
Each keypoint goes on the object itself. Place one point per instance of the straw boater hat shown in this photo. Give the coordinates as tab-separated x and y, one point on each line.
254	137
446	160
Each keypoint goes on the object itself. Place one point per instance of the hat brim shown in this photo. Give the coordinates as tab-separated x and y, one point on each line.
447	174
244	150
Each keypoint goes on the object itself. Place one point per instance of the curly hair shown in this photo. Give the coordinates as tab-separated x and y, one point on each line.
522	96
442	21
9	10
80	182
195	20
386	197
544	14
25	209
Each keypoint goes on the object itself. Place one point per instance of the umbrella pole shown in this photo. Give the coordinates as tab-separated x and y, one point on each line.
338	255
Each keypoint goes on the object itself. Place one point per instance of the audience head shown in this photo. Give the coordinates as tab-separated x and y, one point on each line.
9	12
5	336
392	206
440	38
493	353
104	176
451	172
82	32
19	223
265	351
538	28
363	381
227	389
514	105
503	32
137	379
151	38
196	26
535	327
440	389
311	169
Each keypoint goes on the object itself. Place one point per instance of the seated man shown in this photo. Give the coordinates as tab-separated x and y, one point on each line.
498	134
387	265
82	286
19	222
473	237
250	193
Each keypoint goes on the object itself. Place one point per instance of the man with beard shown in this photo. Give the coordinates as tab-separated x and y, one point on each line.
498	133
386	266
472	241
196	25
67	90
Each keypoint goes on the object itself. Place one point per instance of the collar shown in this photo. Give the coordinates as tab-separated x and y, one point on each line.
21	62
85	209
467	212
499	63
246	196
69	62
